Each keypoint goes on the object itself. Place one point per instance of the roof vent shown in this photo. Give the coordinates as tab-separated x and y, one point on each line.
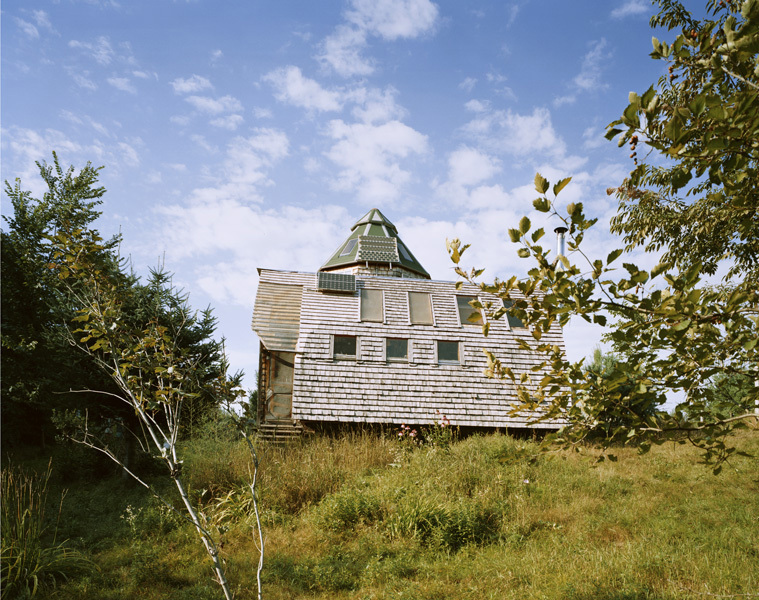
335	282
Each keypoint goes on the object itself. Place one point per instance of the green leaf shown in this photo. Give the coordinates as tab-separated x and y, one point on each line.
612	133
541	184
537	234
515	235
614	255
561	185
524	225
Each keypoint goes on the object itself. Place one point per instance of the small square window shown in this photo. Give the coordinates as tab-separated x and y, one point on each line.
344	346
447	352
514	322
468	315
420	308
396	349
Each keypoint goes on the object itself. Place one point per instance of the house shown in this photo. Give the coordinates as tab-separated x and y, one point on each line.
371	338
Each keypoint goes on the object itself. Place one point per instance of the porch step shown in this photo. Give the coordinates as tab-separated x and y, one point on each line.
281	431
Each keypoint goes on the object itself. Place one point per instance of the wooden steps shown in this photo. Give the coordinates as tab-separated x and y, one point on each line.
281	431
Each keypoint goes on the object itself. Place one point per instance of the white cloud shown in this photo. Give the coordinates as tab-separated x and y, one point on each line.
468	166
100	50
468	84
192	84
393	19
342	52
216	55
215	106
123	84
27	28
589	77
145	75
631	7
386	19
129	154
262	113
516	134
230	122
375	105
292	87
368	157
203	143
42	20
476	106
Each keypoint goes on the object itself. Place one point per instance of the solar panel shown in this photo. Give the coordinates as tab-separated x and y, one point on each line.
336	282
376	249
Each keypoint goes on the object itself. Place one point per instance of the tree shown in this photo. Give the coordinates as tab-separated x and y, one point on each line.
37	360
695	199
39	363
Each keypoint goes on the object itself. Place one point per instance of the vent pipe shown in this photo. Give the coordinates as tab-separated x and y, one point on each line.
560	244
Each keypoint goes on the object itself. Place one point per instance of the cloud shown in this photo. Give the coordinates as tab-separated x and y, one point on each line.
286	237
293	88
375	105
262	113
191	85
387	19
468	166
516	134
342	52
631	7
468	84
27	28
393	19
589	77
42	20
244	171
123	84
216	56
100	50
368	157
215	106
230	122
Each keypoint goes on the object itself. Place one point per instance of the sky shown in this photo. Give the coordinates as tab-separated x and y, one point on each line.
238	134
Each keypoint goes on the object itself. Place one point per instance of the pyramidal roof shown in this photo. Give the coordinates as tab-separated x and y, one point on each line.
374	240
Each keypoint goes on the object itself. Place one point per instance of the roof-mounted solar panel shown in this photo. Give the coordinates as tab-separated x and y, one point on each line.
377	249
336	282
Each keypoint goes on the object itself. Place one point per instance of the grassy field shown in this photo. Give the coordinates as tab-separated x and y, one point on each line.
364	517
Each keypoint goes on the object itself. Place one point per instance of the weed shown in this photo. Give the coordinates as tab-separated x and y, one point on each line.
27	562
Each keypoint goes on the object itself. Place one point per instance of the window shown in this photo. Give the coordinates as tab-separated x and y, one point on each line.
448	352
420	308
349	246
371	306
396	349
468	315
344	346
513	321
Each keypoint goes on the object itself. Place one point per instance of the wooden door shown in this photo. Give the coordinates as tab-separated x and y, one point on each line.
279	403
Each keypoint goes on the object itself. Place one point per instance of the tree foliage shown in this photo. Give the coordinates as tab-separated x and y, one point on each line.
39	363
695	201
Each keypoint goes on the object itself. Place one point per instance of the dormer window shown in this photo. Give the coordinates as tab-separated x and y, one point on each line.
514	322
372	306
420	308
468	315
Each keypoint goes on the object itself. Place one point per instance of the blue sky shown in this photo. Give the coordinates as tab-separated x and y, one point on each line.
245	134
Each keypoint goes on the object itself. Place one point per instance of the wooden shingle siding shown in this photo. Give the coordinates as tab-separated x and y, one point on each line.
369	389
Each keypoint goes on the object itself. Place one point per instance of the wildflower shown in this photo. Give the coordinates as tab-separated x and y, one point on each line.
526	481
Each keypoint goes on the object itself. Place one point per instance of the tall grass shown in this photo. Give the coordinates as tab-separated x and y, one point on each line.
27	562
363	517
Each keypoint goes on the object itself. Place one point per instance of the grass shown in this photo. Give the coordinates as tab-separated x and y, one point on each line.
364	517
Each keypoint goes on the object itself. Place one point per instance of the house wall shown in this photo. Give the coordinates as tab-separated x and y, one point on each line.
370	389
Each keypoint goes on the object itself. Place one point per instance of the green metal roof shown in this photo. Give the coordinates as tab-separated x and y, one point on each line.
374	239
